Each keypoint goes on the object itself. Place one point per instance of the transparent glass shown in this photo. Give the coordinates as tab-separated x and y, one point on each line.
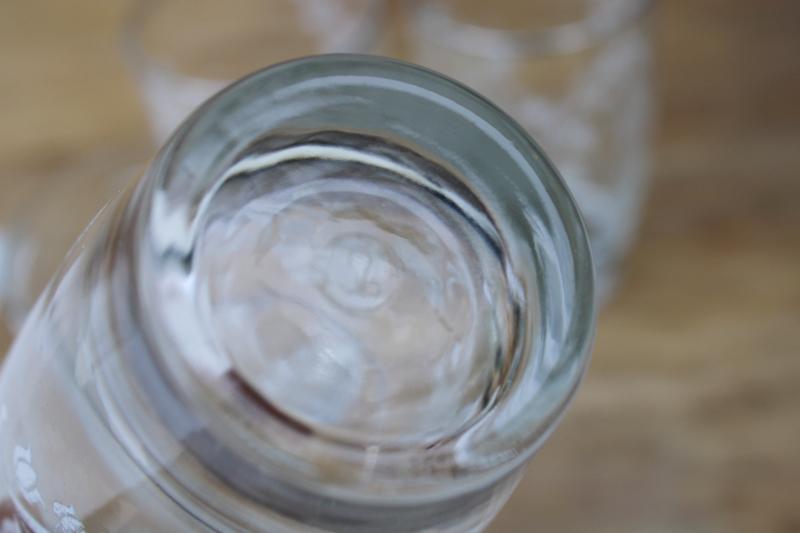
183	51
348	295
576	74
39	233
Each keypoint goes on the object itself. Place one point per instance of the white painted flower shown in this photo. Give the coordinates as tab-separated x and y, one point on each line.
68	521
26	475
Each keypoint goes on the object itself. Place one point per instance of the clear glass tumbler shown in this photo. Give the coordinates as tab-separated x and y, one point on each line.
183	51
348	295
576	74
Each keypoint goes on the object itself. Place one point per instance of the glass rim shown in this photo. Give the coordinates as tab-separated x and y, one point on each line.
578	332
574	36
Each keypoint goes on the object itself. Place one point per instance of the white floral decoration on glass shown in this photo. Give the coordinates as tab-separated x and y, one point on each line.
26	475
68	521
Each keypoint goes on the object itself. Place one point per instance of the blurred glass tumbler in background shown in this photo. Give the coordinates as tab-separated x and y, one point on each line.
348	295
576	74
183	51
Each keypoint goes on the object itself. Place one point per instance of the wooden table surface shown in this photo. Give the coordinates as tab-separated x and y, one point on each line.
689	419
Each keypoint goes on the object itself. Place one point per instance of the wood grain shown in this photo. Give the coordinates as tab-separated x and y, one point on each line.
689	417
